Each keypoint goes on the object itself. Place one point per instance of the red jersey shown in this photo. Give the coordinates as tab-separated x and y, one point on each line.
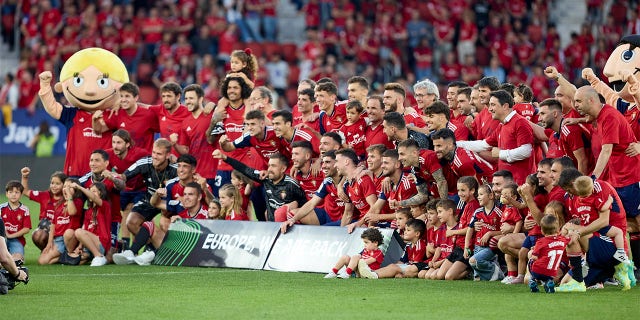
510	215
193	135
491	222
456	124
403	190
48	206
446	244
175	190
514	133
303	134
81	140
573	138
335	120
354	136
170	122
15	219
114	194
415	252
548	251
375	135
313	124
64	221
121	165
414	119
526	110
588	208
237	216
234	127
97	220
333	205
309	183
467	212
465	163
613	128
201	214
484	125
141	125
265	147
428	164
377	254
358	190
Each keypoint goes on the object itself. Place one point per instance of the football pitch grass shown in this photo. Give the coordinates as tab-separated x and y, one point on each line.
136	292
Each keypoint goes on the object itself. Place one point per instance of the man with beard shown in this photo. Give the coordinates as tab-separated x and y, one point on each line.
394	126
374	132
359	188
301	155
330	141
192	137
393	99
402	187
457	162
122	155
334	206
140	122
235	90
426	170
571	141
170	114
280	189
155	171
483	123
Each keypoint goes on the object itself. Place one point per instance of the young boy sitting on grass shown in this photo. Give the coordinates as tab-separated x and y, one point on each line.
369	259
547	255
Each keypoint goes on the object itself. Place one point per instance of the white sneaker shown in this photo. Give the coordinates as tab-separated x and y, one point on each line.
516	280
126	257
330	275
145	259
506	279
98	261
344	275
365	271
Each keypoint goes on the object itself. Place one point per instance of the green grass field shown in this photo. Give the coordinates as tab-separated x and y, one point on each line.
119	292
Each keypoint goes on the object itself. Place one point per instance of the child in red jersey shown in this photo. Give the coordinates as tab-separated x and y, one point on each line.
16	218
245	186
522	96
413	260
353	130
365	262
511	222
231	204
447	242
547	255
484	225
584	189
95	234
433	225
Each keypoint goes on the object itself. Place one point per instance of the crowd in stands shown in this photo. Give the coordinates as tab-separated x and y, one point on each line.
478	174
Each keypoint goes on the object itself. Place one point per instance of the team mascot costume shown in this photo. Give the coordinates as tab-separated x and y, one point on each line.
623	93
89	80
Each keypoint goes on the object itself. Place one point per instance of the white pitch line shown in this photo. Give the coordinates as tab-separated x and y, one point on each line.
138	273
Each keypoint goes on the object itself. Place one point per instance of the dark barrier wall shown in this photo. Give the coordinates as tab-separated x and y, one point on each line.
41	169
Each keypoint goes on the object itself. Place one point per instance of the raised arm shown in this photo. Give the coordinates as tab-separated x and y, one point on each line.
53	107
25	180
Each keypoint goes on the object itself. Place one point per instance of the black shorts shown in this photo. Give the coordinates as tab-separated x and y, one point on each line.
134	197
147	211
421	266
457	254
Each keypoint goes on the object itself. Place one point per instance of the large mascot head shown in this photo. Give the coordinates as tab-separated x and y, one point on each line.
625	57
90	79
